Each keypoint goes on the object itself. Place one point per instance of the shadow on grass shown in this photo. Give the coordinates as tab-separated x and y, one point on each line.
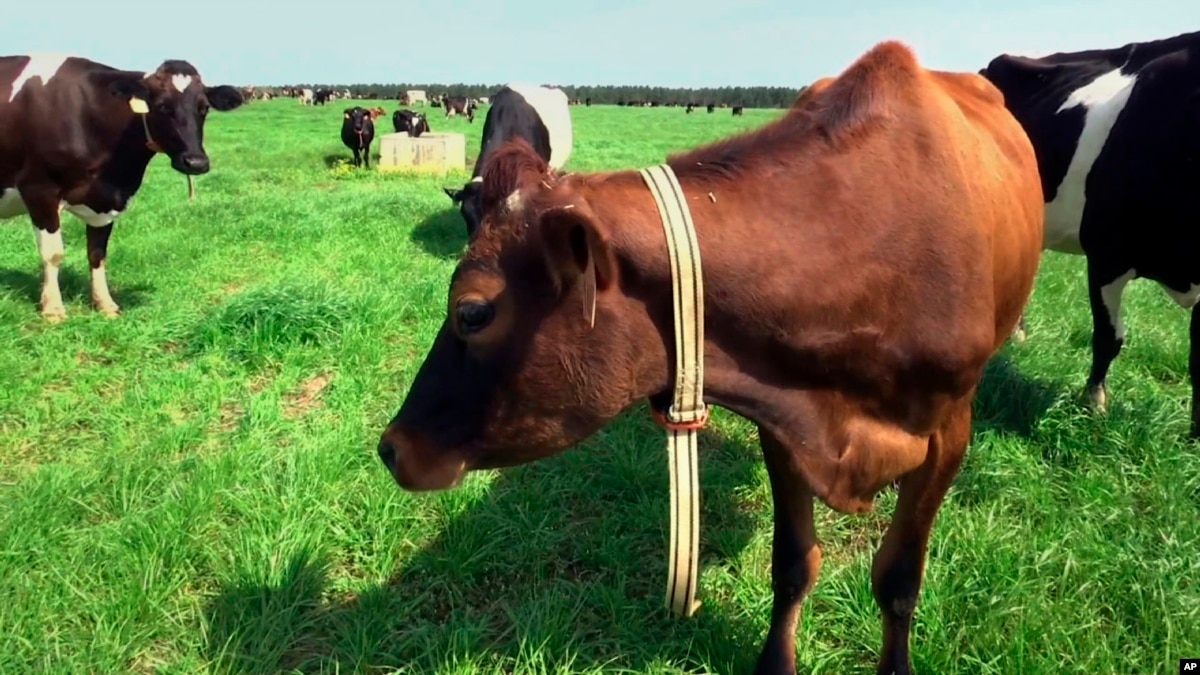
348	158
1010	401
73	285
560	566
443	234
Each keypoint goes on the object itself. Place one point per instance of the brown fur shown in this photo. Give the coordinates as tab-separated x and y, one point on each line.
864	256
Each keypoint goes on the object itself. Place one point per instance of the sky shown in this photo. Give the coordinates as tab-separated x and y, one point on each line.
669	43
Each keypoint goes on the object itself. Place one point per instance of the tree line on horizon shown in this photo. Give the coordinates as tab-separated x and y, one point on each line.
751	97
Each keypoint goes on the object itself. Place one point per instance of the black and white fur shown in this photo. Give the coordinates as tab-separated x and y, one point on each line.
1117	137
540	115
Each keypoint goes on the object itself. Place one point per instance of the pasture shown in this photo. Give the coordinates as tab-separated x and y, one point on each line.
194	487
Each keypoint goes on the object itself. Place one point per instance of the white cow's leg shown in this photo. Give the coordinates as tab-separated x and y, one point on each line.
50	247
47	230
97	243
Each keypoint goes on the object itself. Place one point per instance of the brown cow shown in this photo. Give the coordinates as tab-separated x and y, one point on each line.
864	256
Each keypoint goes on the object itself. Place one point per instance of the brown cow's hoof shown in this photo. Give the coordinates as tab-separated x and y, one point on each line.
111	311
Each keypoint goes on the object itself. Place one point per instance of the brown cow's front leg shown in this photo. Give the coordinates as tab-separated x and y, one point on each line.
97	245
900	562
44	211
795	556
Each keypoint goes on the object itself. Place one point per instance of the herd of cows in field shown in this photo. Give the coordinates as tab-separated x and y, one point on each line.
939	189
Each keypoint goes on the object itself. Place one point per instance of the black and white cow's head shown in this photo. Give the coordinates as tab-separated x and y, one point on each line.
469	201
357	119
175	102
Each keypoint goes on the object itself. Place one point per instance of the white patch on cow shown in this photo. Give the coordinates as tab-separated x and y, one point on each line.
1104	99
90	217
1186	299
100	295
477	179
41	66
11	204
1111	295
513	201
181	82
552	106
50	247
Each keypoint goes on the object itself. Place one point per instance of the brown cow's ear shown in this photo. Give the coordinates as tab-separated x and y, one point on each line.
577	250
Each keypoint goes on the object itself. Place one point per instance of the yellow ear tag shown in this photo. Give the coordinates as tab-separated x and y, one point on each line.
139	106
347	115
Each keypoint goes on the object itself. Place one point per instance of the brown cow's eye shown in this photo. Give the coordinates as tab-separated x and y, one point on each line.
474	315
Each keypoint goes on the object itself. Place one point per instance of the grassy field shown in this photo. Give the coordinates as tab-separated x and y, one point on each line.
194	486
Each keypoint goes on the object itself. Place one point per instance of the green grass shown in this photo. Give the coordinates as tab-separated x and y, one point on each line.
193	487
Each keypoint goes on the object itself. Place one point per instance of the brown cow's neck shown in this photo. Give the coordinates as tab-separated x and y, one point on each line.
732	352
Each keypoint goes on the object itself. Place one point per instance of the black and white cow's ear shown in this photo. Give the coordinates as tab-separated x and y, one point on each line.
223	97
455	195
128	85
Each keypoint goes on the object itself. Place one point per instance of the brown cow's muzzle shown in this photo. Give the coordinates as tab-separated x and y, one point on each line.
416	465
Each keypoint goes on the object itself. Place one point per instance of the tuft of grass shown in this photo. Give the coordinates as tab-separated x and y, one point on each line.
264	320
193	487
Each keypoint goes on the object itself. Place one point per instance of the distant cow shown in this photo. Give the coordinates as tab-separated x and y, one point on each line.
357	133
415	96
539	115
306	97
588	101
77	135
737	110
410	122
377	112
461	105
710	107
323	96
1117	136
690	108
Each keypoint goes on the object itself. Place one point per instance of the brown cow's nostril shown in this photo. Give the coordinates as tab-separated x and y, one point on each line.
416	465
387	453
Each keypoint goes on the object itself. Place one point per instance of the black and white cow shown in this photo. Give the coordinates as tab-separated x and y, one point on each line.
460	105
539	115
410	122
357	133
1117	137
77	135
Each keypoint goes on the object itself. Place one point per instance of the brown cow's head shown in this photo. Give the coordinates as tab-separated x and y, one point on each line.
175	103
518	371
